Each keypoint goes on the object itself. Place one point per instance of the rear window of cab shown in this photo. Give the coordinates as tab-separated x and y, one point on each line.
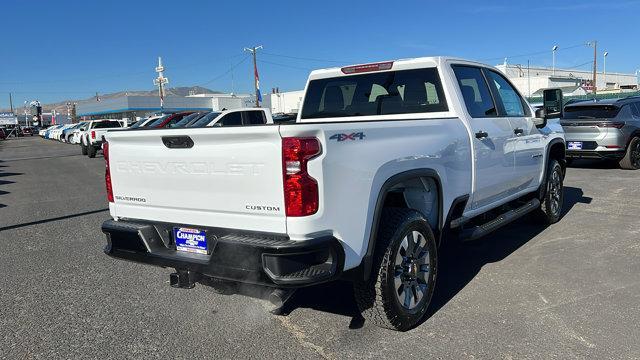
377	93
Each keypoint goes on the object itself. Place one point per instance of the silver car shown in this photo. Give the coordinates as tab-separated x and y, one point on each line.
605	129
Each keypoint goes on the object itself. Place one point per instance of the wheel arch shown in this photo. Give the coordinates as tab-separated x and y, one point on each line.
383	196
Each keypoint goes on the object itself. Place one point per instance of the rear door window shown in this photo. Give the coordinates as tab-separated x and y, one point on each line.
379	93
475	91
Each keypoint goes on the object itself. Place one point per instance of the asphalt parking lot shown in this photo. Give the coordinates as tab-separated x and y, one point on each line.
571	290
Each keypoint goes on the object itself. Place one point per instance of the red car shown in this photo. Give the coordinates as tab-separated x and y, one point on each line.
168	120
27	131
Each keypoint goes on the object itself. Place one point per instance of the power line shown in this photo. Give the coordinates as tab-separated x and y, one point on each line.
285	65
226	72
534	53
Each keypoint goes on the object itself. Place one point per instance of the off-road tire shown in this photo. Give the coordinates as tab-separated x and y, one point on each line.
91	151
84	148
552	198
631	159
377	297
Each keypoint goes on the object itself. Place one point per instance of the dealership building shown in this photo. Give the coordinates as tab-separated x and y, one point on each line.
134	107
531	80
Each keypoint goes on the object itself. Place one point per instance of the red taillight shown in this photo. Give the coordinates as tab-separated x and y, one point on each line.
367	67
300	189
107	172
93	134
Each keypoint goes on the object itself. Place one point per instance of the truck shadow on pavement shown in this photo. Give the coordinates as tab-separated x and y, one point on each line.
594	164
459	264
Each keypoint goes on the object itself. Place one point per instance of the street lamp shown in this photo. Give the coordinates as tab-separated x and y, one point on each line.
604	67
553	51
637	79
26	122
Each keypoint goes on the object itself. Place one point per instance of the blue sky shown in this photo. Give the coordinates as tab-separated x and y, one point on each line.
57	50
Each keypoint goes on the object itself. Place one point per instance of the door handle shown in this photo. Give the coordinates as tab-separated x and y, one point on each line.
518	131
482	135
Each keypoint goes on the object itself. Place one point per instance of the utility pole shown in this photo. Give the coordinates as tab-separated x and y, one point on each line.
528	78
11	102
256	79
595	65
553	50
604	69
160	81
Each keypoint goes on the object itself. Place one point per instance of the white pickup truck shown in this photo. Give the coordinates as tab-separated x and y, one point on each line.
383	160
91	135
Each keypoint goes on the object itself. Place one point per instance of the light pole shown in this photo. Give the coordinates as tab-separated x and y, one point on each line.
553	54
604	69
26	122
638	80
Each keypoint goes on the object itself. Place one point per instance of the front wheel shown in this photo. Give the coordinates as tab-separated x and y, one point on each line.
631	159
403	274
551	201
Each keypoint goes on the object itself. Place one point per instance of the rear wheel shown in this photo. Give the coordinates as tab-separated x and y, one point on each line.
551	202
91	151
84	149
403	274
631	159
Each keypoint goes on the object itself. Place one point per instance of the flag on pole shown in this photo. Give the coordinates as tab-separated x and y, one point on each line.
258	95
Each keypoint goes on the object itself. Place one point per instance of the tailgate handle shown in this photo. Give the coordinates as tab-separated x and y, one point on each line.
177	142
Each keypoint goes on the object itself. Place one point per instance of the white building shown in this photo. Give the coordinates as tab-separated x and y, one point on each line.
226	101
286	102
234	101
531	80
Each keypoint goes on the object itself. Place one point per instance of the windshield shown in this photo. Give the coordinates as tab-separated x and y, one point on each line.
379	93
157	122
138	124
185	120
205	119
591	112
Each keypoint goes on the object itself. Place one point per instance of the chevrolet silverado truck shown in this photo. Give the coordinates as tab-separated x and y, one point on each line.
92	133
382	161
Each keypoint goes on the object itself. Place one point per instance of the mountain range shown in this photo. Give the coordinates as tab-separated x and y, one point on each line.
175	91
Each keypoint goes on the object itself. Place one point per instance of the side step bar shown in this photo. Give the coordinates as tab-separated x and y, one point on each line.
503	219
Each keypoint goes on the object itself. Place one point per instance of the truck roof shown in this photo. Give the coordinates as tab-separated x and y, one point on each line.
398	64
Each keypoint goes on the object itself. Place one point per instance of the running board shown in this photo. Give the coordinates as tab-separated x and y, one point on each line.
503	219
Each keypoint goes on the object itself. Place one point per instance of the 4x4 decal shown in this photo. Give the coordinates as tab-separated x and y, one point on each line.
352	136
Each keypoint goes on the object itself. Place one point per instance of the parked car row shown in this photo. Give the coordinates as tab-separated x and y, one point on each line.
16	130
89	135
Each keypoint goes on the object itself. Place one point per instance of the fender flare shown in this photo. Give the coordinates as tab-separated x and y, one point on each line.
546	163
367	261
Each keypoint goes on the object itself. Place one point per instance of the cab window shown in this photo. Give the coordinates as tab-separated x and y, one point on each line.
231	119
254	118
507	97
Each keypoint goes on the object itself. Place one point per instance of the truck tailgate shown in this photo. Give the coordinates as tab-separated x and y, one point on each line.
228	178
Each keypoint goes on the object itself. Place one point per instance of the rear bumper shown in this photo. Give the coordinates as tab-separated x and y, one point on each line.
595	154
256	258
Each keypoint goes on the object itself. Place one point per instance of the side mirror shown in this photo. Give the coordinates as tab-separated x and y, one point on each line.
552	107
